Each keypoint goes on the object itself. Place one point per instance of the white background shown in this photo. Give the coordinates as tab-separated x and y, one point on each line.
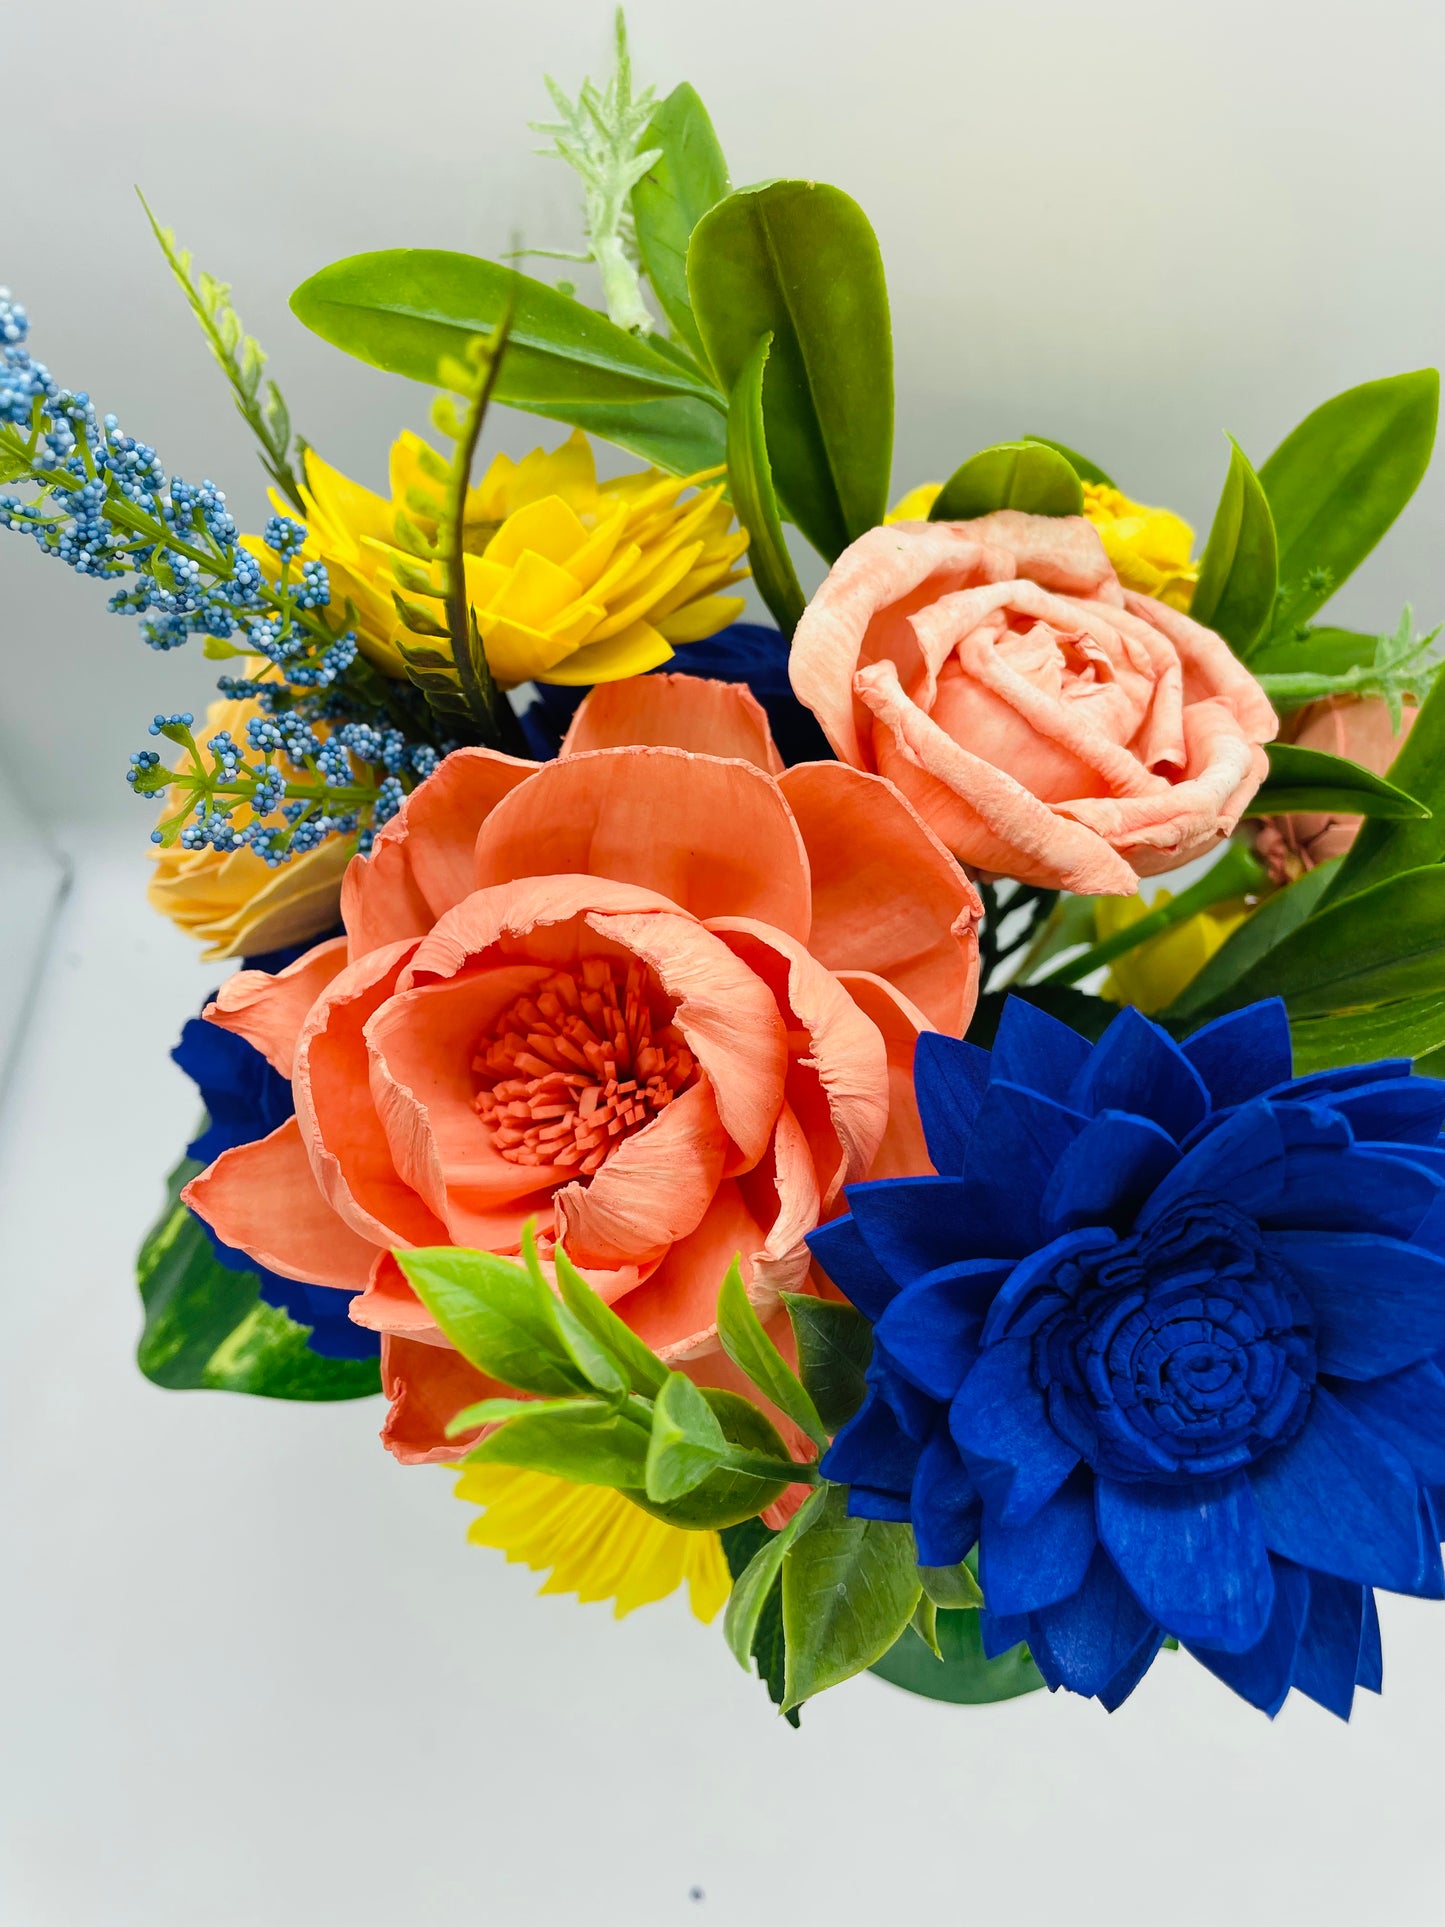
252	1671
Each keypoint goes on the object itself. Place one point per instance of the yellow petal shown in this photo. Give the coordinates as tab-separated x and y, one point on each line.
702	618
547	526
633	653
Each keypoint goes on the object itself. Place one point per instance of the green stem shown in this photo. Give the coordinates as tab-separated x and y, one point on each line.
1238	873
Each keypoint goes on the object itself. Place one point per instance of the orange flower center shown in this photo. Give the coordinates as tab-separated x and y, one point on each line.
579	1064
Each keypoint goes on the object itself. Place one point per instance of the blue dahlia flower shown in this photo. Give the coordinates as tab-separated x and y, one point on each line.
1159	1340
746	652
246	1099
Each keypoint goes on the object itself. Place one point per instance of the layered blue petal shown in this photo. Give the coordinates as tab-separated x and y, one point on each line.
840	1249
950	1077
1403	1110
1022	1568
1034	1050
1243	1054
1379	1303
865	1502
932	1327
1193	1555
873	1449
1138	1067
914	1225
1018	1139
945	1507
1001	1424
1242	1160
1093	1636
1355	1188
1406	1409
1328	1659
1107	1173
1264	1672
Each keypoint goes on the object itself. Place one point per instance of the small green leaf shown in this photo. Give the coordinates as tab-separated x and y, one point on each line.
835	1343
1384	849
925	1624
645	1371
966	1677
207	1328
1238	572
741	1544
1321	651
1214	990
1030	476
1310	779
1413	1027
1338	481
496	1411
686	1442
849	1589
758	1358
750	481
952	1587
730	1494
1086	470
498	1317
585	1441
753	1587
688	177
798	260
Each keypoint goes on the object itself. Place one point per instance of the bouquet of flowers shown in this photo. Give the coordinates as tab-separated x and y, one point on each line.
723	1082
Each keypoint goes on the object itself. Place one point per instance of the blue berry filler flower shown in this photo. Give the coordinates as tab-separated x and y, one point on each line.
246	1099
1159	1340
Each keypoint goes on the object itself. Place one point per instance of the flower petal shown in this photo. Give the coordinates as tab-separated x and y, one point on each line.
268	1011
1105	1176
1089	1640
652	1190
1407	1409
263	1199
1265	1672
427	1386
1244	1053
943	1503
1328	1658
951	1076
1024	1567
1017	1459
1379	1303
932	1327
1193	1556
844	1255
1037	1051
676	712
1138	1067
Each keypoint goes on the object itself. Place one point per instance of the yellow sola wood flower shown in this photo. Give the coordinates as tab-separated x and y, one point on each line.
572	580
1156	971
1148	547
237	904
598	1544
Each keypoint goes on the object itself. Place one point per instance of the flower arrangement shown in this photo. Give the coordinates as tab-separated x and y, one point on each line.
723	1083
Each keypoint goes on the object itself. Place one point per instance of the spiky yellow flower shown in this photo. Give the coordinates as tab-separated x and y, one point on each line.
236	904
598	1544
572	580
1149	547
1156	971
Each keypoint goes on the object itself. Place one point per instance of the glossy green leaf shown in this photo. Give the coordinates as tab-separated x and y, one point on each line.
1382	849
726	1497
1338	481
925	1624
752	1588
1414	1027
835	1343
586	1442
1215	989
645	1371
1319	651
849	1589
1086	470
208	1329
750	483
741	1544
1379	946
1238	572
496	1411
966	1677
758	1358
408	309
1030	476
498	1317
688	177
1310	779
798	260
952	1587
1237	872
686	1442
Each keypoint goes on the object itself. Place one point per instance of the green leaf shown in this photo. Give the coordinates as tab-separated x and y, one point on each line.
1238	572
497	1316
753	1587
1378	946
1383	849
1413	1027
1215	989
741	1544
1030	476
1236	873
835	1343
729	1495
966	1677
688	177
1323	652
207	1328
1310	779
686	1442
586	1442
408	309
496	1411
758	1358
849	1589
925	1624
645	1371
798	260
1337	482
1086	470
952	1587
750	482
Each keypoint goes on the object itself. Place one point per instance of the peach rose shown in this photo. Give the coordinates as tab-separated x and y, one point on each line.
1047	723
1353	726
660	995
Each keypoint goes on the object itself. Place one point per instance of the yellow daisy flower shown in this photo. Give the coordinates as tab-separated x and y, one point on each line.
1156	971
236	904
1149	547
573	580
598	1544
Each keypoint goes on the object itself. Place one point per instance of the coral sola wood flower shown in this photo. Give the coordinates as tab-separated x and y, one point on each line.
660	996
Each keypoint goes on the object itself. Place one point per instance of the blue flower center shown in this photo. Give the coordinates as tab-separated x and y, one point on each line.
1182	1352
